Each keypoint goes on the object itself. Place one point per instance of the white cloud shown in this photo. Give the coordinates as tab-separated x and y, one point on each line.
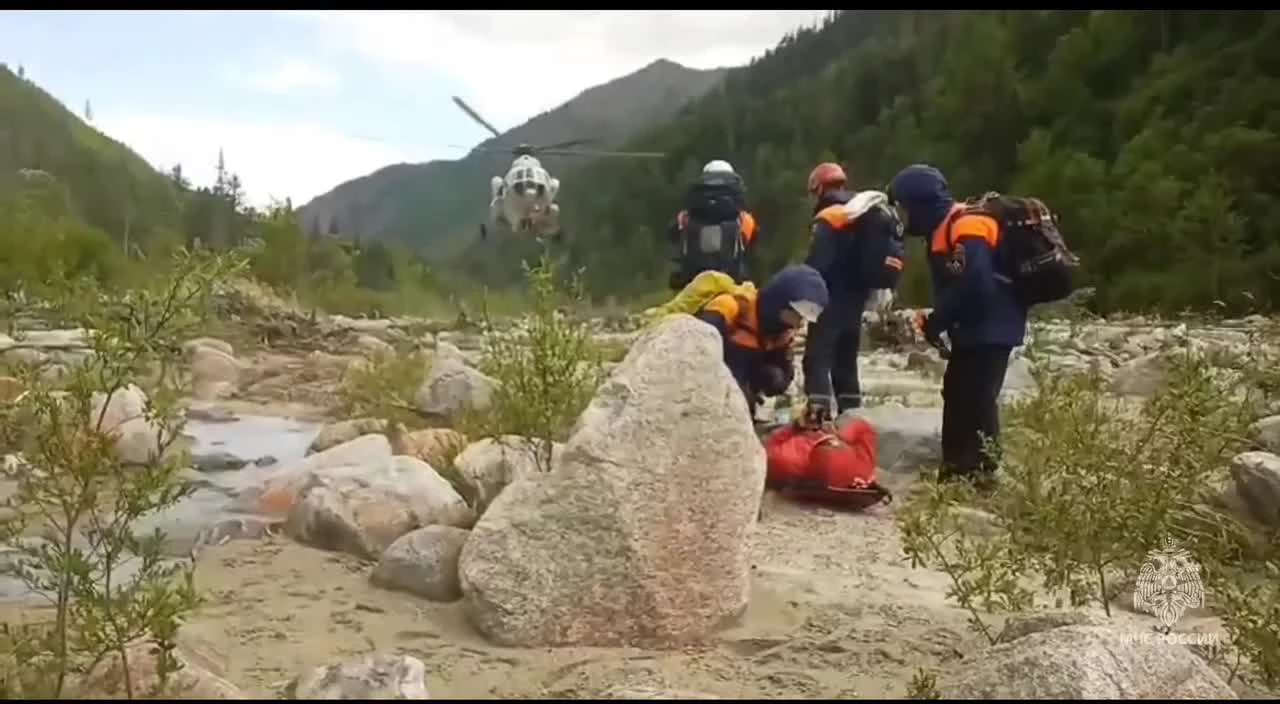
290	75
277	160
514	64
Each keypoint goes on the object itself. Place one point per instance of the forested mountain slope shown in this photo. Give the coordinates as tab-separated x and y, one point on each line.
1153	133
87	174
438	205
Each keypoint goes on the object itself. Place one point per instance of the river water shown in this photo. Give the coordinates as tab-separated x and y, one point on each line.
248	437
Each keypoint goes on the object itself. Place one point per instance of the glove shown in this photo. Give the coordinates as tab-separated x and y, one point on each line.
816	414
924	322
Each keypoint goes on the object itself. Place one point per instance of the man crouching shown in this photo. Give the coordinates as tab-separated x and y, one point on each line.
758	329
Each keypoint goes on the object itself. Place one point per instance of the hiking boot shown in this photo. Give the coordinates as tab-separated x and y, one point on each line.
848	402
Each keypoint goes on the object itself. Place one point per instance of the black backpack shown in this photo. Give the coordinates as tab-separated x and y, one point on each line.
711	222
1032	256
716	199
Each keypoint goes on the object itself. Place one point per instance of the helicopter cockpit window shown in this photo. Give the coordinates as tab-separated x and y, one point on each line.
525	181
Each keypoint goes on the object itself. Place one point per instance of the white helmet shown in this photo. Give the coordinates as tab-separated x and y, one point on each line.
718	166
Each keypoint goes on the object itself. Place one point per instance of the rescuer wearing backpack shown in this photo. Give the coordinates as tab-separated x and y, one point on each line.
758	328
714	231
989	262
857	247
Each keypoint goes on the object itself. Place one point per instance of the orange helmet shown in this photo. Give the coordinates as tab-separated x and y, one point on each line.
825	175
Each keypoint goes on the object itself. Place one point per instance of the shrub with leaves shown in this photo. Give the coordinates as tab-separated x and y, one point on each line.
547	365
1092	483
383	387
77	499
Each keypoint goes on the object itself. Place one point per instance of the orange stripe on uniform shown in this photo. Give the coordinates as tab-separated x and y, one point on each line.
956	227
747	225
833	215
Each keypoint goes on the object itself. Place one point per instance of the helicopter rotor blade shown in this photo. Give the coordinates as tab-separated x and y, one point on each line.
492	150
476	116
597	153
565	145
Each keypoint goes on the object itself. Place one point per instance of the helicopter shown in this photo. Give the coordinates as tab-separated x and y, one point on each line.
524	201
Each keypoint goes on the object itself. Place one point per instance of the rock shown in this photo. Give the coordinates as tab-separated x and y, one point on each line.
452	386
218	461
211	414
1017	378
380	677
214	373
907	439
1267	434
1083	662
222	346
423	562
1024	624
234	527
126	404
1143	376
1255	488
641	533
279	493
436	446
192	681
925	362
370	345
137	438
362	510
345	431
488	466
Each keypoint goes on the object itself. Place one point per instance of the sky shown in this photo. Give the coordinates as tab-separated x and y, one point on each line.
300	101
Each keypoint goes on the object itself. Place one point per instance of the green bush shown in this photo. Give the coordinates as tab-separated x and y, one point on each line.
1092	484
75	490
547	365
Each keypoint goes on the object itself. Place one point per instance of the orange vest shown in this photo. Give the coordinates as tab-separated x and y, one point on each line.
742	318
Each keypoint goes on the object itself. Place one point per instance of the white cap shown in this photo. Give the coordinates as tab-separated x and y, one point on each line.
718	166
807	310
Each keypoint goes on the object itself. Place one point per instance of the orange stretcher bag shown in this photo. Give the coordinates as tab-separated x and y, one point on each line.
833	467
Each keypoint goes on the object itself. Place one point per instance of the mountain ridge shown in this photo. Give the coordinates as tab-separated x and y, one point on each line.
436	206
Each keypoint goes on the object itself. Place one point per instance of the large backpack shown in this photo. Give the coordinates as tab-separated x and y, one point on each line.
697	293
1033	257
711	222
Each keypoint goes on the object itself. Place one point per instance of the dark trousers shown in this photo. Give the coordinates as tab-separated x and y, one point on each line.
970	408
831	356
